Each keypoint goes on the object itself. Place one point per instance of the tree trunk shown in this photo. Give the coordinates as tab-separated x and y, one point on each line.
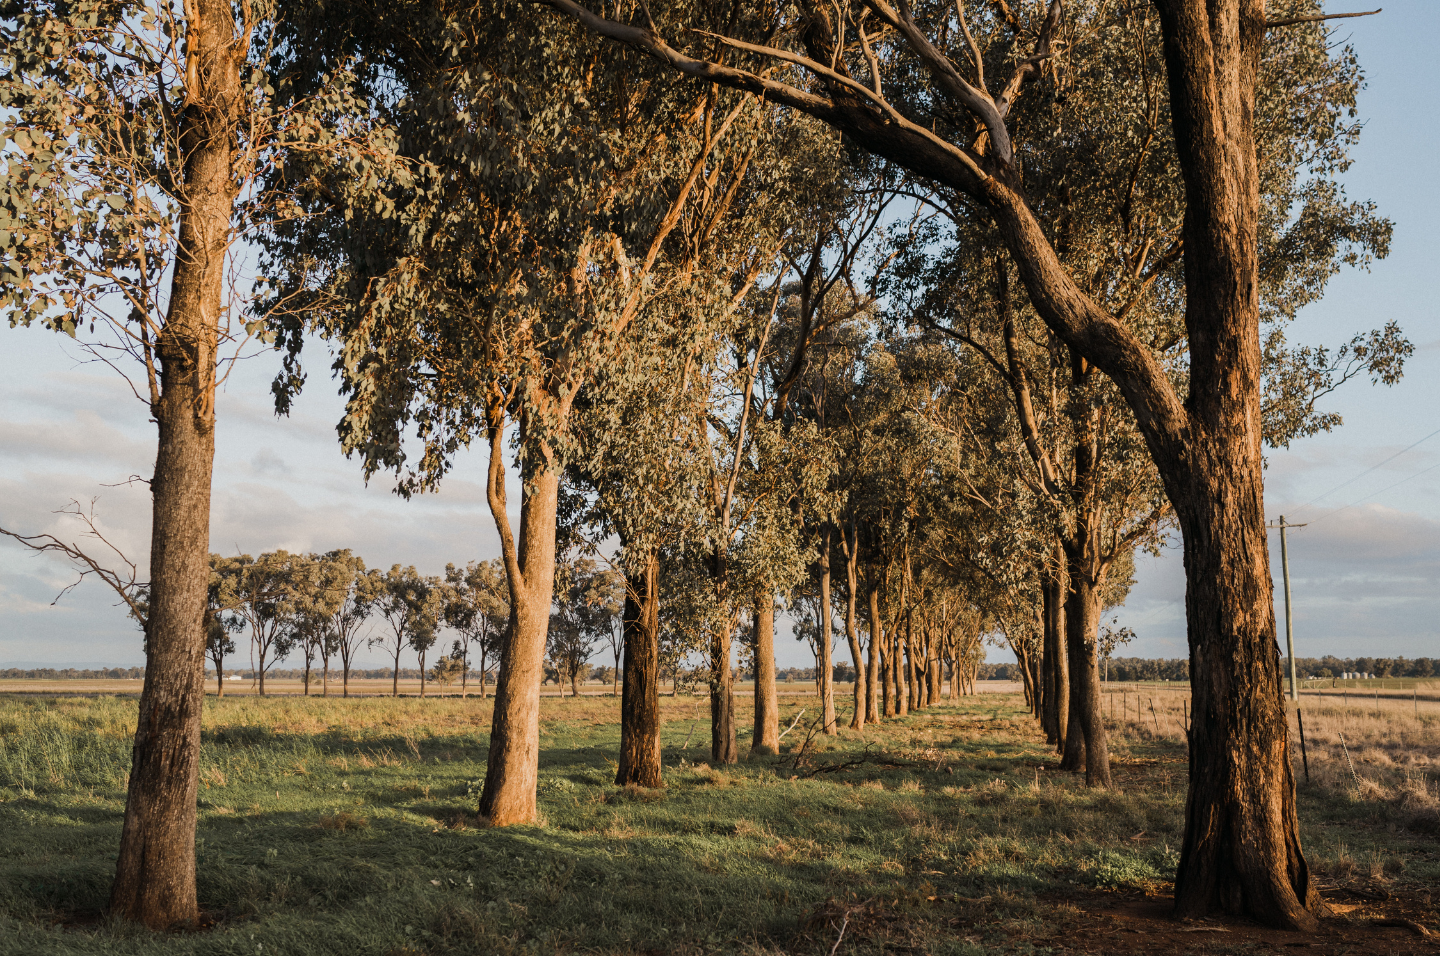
344	678
766	739
1082	621
325	679
155	869
395	674
827	662
513	767
723	749
1055	670
421	656
307	678
852	633
872	671
574	682
261	673
1241	852
639	762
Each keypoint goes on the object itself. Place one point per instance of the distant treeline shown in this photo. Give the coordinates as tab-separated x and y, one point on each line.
1139	668
356	673
73	673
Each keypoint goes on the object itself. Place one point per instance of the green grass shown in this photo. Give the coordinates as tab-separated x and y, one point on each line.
348	827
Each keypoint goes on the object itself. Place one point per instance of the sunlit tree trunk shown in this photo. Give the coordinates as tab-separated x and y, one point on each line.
512	770
827	658
155	869
766	739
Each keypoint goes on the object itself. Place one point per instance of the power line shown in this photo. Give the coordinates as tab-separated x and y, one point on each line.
1374	493
1366	472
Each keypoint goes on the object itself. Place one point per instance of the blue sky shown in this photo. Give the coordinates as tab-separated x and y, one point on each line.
1366	578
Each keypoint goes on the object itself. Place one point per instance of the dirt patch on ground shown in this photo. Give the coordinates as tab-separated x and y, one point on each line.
1362	920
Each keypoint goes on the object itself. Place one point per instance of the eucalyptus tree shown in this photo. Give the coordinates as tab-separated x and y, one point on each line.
588	598
1117	197
540	222
135	133
476	604
410	604
220	622
361	589
264	590
321	589
947	117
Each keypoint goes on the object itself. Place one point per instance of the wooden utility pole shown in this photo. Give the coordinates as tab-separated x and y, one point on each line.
1285	573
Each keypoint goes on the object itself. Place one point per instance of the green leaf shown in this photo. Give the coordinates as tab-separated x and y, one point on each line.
115	201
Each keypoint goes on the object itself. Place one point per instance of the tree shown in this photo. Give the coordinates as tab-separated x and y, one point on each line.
358	590
263	592
1242	849
134	136
321	590
410	604
476	603
587	601
497	310
218	624
450	666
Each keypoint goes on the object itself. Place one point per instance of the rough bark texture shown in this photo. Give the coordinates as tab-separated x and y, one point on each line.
155	869
1241	852
512	769
723	749
767	702
1082	621
639	762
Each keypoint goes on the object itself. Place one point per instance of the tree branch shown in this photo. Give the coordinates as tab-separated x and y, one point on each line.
1291	21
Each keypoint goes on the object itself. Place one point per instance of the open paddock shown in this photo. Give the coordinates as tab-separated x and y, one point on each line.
348	827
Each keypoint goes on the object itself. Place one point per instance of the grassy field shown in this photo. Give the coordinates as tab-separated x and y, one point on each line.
335	826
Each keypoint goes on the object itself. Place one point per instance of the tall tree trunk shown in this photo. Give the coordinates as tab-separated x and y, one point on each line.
852	630
325	679
513	767
872	671
1057	673
639	762
723	749
421	655
766	739
1241	852
155	869
1082	621
827	658
394	674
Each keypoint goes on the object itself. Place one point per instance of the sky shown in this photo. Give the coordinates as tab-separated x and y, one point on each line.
1365	571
